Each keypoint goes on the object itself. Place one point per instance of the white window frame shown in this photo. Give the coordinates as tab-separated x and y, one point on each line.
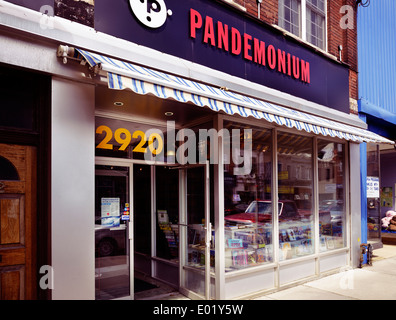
303	23
317	11
281	17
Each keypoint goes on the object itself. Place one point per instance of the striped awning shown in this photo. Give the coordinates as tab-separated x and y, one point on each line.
142	80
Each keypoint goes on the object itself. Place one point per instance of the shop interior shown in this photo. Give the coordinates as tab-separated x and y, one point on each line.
132	193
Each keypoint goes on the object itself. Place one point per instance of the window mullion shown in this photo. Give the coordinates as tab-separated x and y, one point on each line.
304	19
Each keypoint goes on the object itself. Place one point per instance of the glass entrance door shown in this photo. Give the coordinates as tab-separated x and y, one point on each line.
135	256
138	207
112	232
196	245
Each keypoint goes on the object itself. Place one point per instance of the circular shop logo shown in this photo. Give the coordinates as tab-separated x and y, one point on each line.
152	13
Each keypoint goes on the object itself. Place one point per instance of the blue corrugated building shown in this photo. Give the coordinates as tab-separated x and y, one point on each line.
377	107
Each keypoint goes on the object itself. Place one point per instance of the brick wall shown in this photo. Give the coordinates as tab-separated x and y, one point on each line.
347	38
81	11
339	36
268	9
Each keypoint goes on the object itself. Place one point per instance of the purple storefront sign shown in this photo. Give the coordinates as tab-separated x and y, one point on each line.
211	34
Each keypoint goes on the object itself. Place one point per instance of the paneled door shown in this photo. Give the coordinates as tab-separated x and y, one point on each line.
17	222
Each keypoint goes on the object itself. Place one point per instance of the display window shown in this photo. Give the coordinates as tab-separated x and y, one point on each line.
195	231
247	198
295	193
331	177
167	203
373	193
253	218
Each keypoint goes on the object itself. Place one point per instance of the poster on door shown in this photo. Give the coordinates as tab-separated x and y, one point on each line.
110	212
373	188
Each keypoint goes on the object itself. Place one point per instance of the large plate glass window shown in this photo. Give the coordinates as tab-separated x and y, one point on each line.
247	197
373	193
295	194
167	205
332	217
196	237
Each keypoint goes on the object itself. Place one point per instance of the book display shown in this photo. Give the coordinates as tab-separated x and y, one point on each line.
196	247
171	232
295	239
247	245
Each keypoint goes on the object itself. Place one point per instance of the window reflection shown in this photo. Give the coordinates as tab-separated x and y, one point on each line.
331	195
248	205
167	195
112	272
295	191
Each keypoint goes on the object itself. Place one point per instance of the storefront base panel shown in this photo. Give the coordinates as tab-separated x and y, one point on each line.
247	284
142	264
290	273
193	285
296	271
166	272
332	262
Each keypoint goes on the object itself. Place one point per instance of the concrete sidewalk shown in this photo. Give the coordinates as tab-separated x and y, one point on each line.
376	282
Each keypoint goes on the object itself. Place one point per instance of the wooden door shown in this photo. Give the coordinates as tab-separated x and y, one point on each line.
17	222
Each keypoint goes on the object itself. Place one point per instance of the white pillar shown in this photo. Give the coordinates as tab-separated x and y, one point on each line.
73	190
355	203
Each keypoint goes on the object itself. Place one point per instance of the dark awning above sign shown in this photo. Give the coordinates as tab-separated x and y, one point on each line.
142	80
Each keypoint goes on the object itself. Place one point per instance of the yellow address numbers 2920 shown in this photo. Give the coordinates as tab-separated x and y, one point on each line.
124	138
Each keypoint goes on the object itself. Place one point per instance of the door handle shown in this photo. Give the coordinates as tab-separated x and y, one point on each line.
130	230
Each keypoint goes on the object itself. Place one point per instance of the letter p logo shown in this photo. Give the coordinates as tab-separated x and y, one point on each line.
151	13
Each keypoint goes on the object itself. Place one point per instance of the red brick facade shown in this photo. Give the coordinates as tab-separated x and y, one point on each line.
336	36
347	38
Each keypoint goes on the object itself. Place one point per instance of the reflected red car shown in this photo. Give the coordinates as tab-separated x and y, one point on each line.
261	211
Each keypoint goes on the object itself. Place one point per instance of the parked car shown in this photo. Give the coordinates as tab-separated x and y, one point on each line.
336	207
261	211
110	241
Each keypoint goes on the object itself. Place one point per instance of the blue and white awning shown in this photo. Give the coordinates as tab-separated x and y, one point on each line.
142	80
